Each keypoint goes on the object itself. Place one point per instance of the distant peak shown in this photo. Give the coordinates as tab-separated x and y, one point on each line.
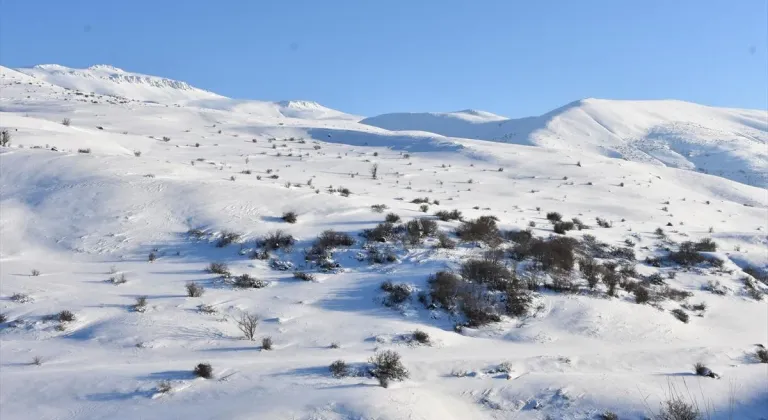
106	67
300	104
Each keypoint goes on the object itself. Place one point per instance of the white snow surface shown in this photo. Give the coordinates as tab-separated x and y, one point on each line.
79	217
731	143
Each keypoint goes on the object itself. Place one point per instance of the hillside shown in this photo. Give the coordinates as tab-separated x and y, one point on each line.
726	142
114	208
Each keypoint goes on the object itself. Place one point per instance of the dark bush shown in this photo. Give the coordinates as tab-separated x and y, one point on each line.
204	370
674	294
387	367
563	227
676	408
290	217
418	229
379	208
383	232
66	316
489	271
3	318
611	280
686	255
445	242
680	314
706	245
245	281
226	238
608	415
443	288
333	239
623	253
277	240
392	218
642	295
422	200
266	343
557	253
194	290
520	236
554	216
603	223
517	300
218	268
579	224
762	355
303	276
477	306
591	270
482	229
339	369
420	337
446	216
396	293
702	370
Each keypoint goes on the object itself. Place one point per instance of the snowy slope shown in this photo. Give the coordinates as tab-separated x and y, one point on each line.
81	218
726	142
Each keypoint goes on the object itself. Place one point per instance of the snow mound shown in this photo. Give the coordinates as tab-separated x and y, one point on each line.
726	142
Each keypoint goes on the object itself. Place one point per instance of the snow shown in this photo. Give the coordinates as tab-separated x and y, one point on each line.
726	142
74	216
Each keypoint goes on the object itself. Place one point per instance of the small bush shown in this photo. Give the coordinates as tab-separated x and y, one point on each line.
66	121
563	227
383	232
245	281
84	151
194	289
554	216
417	229
446	216
266	343
303	276
420	200
206	309
164	387
66	316
396	293
445	242
379	208
21	298
392	218
676	408
642	295
701	370
762	355
591	270
420	337
608	415
482	229
290	217
339	369
603	223
203	370
423	208
477	306
680	315
141	304
706	245
443	288
333	239
35	273
5	138
152	257
278	240
226	238
218	268
687	255
37	361
489	271
387	367
557	253
3	318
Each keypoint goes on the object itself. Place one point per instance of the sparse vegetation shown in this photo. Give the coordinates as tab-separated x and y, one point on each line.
420	337
66	121
227	237
397	294
482	229
444	241
680	315
66	316
218	268
387	367
301	275
194	289
392	218
277	240
339	369
379	208
247	324
446	216
554	216
203	370
245	281
141	304
266	343
35	273
290	217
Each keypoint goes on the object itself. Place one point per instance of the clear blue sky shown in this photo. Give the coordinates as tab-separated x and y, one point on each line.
515	58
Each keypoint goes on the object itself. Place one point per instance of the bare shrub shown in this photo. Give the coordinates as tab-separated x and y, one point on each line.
5	138
206	309
141	304
333	239
418	229
446	216
591	270
392	218
608	415
383	232
65	316
227	237
762	355
245	281
339	369
706	245
680	315
66	121
375	171
203	370
194	289
37	361
21	298
84	151
266	343
445	242
563	227
489	271
554	216
303	276
247	324
701	370
387	367
420	337
423	208
397	293
152	257
477	306
379	208
218	268
557	253
603	223
482	229
443	288
290	217
35	273
164	387
642	294
278	240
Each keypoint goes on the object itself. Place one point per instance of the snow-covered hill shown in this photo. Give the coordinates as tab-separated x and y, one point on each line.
731	143
97	189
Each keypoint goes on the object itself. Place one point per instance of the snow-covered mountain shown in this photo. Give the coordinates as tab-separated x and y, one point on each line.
726	142
112	210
